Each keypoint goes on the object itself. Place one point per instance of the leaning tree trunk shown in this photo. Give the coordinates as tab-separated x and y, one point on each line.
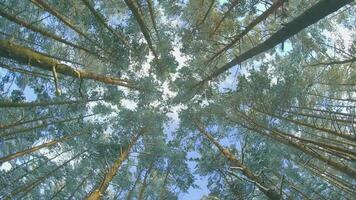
36	148
97	193
30	57
266	189
312	15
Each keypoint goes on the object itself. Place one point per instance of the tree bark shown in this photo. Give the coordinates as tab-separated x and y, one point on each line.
312	15
258	182
28	56
98	192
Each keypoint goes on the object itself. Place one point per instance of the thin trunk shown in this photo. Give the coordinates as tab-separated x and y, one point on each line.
28	56
325	111
36	148
232	6
298	145
337	62
58	192
153	18
207	13
335	133
29	26
80	185
15	132
346	187
140	20
332	98
7	126
163	187
98	192
144	182
266	189
320	117
47	7
312	15
29	186
44	163
8	104
129	194
24	71
102	20
249	27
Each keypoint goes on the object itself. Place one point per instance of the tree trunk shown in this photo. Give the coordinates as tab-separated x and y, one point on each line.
42	4
139	18
29	26
312	15
15	132
8	104
249	27
129	194
102	20
36	148
232	6
144	182
80	185
153	18
258	182
28	187
28	56
98	192
298	145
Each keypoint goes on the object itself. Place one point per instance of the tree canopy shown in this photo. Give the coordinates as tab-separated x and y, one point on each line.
156	99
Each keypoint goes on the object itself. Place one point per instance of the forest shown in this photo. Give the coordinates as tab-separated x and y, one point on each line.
178	99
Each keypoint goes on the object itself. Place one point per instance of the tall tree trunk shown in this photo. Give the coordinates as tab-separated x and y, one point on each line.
298	145
163	187
249	27
15	132
335	133
140	20
231	7
312	15
153	18
258	182
102	20
144	182
36	148
28	56
50	9
29	26
129	194
29	186
80	185
7	126
98	192
8	104
24	71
